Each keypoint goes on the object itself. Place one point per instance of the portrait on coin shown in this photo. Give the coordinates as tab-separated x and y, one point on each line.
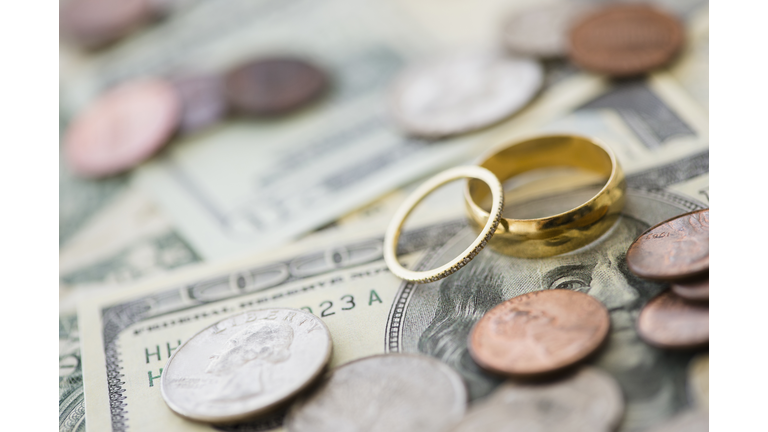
248	354
652	380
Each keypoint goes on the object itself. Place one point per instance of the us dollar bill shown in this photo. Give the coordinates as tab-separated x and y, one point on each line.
127	240
128	337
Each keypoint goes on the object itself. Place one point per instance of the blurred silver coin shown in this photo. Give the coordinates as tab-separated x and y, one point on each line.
686	421
202	98
463	92
698	381
391	392
245	365
542	31
589	400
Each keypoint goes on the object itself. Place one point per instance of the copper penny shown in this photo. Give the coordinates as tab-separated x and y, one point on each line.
625	40
202	101
274	86
96	23
675	249
697	290
121	128
668	321
539	332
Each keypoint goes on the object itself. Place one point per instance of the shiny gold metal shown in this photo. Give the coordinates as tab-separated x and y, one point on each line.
560	233
486	232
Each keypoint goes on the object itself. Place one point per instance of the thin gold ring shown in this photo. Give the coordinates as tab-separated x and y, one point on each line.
563	232
492	222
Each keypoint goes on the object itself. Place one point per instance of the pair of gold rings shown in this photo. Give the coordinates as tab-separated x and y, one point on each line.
524	238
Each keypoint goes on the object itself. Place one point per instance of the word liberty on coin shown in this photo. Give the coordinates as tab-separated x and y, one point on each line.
246	365
383	393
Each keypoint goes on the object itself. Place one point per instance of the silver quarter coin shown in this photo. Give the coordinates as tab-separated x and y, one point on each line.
463	92
542	31
391	392
686	421
587	401
245	365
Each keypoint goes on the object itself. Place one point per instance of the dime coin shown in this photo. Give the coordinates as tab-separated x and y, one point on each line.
677	248
542	30
246	365
463	92
687	421
698	381
122	128
202	101
589	400
96	23
274	86
625	40
692	290
668	321
391	392
539	332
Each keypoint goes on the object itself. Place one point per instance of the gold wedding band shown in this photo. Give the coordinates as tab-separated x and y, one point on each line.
489	227
560	233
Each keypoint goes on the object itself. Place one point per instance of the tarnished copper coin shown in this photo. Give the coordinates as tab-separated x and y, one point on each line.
539	332
96	23
668	321
122	128
625	40
697	290
675	249
202	101
274	86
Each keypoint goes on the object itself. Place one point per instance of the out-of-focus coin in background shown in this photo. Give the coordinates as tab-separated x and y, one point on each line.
383	393
122	127
246	365
274	86
202	101
463	92
96	23
539	332
542	30
677	248
625	40
696	290
686	421
668	321
588	400
698	381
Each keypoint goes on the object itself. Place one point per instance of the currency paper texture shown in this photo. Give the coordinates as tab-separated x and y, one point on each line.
129	337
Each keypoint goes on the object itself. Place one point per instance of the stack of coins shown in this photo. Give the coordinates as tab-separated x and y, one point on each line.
675	251
131	122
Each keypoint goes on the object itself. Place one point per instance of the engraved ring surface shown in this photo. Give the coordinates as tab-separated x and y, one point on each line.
563	232
492	222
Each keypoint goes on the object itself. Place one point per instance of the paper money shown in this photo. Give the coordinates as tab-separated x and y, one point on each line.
127	240
131	335
71	398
